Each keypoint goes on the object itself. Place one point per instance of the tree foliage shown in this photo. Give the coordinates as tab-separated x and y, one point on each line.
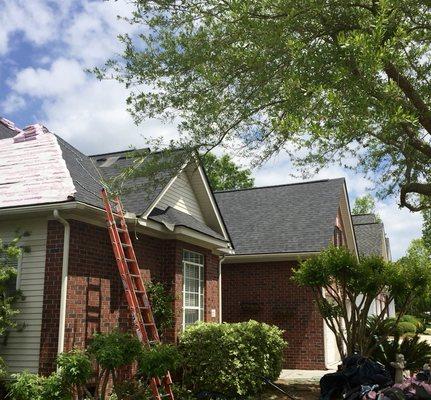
224	174
418	257
364	205
349	289
335	78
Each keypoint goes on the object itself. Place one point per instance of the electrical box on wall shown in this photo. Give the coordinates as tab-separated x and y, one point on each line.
213	313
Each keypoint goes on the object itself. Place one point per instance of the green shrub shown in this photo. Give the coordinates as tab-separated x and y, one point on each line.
404	328
25	386
161	303
54	388
75	367
420	326
416	352
158	360
114	350
231	358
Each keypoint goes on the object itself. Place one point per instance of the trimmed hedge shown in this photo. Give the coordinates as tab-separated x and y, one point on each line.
231	358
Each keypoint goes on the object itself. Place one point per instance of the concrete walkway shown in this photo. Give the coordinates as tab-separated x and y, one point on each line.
290	376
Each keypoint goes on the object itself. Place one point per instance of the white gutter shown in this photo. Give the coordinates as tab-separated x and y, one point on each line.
220	304
64	274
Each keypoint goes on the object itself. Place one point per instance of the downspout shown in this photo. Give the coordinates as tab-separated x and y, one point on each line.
220	304
64	274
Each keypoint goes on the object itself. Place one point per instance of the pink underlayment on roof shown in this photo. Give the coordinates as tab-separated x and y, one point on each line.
32	169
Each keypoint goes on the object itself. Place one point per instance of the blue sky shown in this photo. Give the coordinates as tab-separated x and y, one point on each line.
45	46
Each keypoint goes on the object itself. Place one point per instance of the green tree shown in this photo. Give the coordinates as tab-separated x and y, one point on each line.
349	289
364	205
426	228
418	256
224	174
335	78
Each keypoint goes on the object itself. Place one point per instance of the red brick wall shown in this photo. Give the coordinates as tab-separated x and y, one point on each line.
265	292
95	301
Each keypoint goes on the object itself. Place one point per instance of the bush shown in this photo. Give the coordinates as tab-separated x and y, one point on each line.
415	351
231	358
404	328
26	386
114	350
75	368
158	360
420	326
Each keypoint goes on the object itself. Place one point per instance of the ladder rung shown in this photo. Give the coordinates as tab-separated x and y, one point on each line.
135	275
126	245
153	342
121	229
148	323
130	260
164	395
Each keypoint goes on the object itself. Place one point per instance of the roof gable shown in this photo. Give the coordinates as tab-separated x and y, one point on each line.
181	196
295	218
370	236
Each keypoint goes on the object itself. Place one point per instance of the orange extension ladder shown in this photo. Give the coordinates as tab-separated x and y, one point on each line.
137	299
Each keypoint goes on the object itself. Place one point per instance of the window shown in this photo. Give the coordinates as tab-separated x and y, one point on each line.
193	288
338	237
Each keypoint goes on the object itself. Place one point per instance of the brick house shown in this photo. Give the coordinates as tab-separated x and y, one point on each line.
271	229
184	235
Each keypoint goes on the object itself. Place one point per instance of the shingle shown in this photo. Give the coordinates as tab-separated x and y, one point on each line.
177	218
364	219
139	192
85	176
370	235
5	132
282	219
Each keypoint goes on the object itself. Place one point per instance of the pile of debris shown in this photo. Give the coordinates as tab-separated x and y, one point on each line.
360	378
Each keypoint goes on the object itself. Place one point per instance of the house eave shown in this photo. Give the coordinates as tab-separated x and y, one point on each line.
266	257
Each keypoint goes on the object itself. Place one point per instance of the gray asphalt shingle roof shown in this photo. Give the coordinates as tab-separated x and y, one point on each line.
291	218
370	234
145	191
84	173
5	132
175	218
87	172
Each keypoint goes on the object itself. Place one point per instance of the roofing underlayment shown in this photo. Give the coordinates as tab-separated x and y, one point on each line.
32	170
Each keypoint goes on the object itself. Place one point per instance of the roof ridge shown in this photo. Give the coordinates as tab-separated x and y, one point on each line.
369	223
360	214
280	185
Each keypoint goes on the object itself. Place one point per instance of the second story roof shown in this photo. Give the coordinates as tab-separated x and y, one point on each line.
293	218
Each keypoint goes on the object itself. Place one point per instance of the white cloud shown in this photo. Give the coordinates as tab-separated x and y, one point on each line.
37	20
12	103
92	34
64	77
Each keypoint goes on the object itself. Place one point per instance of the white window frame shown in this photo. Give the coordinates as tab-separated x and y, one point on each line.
201	287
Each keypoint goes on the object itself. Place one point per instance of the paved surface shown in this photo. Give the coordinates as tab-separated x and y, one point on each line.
290	376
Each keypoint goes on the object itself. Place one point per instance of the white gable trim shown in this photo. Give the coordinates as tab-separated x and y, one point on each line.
208	192
346	214
213	202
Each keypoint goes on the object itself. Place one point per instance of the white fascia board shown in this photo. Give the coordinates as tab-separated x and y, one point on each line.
185	234
212	201
349	218
241	258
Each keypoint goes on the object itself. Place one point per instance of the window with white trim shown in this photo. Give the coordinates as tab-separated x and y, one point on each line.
193	288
